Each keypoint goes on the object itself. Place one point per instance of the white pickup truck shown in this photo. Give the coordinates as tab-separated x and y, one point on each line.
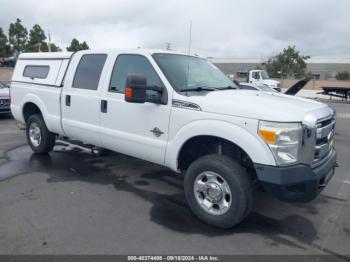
180	112
261	77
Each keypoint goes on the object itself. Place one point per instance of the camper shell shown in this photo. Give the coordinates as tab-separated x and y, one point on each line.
44	69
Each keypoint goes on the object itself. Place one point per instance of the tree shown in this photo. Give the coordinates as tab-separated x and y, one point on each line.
54	48
289	63
345	75
76	46
5	49
18	36
84	46
36	39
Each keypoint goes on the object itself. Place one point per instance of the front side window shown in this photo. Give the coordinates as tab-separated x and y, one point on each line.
89	71
188	72
126	65
36	71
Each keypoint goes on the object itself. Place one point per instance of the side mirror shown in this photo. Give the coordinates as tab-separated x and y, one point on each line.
135	90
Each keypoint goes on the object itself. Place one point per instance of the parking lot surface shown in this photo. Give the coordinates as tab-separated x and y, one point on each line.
75	202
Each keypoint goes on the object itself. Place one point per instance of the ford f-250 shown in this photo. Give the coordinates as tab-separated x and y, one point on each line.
181	112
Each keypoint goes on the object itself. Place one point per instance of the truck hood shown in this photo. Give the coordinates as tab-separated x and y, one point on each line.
4	92
256	105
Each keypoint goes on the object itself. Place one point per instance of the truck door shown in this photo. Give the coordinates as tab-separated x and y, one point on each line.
80	99
140	130
254	77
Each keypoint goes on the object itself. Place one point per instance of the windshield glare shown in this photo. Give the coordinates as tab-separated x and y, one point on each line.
188	72
264	75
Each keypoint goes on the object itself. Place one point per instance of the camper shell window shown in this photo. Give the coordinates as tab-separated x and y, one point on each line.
36	71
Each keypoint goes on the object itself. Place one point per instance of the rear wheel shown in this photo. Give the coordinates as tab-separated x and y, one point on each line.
218	190
40	139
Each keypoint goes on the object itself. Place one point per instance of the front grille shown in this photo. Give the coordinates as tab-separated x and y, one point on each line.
324	138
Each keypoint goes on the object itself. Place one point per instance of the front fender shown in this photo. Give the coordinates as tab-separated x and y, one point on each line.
257	150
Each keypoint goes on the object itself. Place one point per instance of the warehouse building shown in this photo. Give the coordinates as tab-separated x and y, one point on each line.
320	68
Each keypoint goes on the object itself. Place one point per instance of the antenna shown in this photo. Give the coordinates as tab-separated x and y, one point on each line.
190	39
189	53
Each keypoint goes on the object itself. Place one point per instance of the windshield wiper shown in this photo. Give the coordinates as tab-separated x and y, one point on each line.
226	87
199	89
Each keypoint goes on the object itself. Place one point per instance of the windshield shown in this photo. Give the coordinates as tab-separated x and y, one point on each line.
2	85
191	73
264	75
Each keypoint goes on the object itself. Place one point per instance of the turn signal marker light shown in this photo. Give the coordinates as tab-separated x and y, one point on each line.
269	137
128	92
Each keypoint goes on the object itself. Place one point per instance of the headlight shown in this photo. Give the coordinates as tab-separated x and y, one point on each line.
284	140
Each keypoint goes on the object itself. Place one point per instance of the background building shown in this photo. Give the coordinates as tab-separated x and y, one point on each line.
321	68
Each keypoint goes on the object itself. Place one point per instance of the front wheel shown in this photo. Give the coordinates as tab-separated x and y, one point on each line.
218	190
40	139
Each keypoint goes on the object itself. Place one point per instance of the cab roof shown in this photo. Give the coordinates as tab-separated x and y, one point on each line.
68	55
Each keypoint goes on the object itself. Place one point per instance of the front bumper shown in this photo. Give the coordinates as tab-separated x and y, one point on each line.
5	110
5	107
297	183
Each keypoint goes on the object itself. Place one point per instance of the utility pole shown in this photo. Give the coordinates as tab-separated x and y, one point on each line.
168	46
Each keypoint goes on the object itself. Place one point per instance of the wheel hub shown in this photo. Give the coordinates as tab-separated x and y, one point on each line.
214	192
34	134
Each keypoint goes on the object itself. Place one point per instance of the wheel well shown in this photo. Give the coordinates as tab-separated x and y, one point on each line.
199	146
30	109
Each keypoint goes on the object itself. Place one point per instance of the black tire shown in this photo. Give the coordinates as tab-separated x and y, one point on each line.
47	138
238	182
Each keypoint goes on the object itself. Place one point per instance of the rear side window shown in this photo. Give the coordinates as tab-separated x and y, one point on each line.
89	71
36	71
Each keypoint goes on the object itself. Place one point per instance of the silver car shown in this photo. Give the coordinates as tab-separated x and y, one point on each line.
4	99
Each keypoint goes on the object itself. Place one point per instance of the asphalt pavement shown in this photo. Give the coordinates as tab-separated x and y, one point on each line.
74	201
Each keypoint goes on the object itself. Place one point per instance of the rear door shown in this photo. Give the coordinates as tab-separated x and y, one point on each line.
80	99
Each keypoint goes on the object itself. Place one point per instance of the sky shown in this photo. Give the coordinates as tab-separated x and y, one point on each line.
220	29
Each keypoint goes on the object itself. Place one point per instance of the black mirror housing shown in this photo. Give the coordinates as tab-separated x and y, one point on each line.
135	90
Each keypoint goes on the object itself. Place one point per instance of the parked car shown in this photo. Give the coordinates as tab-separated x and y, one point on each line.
257	87
4	99
181	112
10	61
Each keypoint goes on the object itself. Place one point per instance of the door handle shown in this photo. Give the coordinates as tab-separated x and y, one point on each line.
104	106
67	100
